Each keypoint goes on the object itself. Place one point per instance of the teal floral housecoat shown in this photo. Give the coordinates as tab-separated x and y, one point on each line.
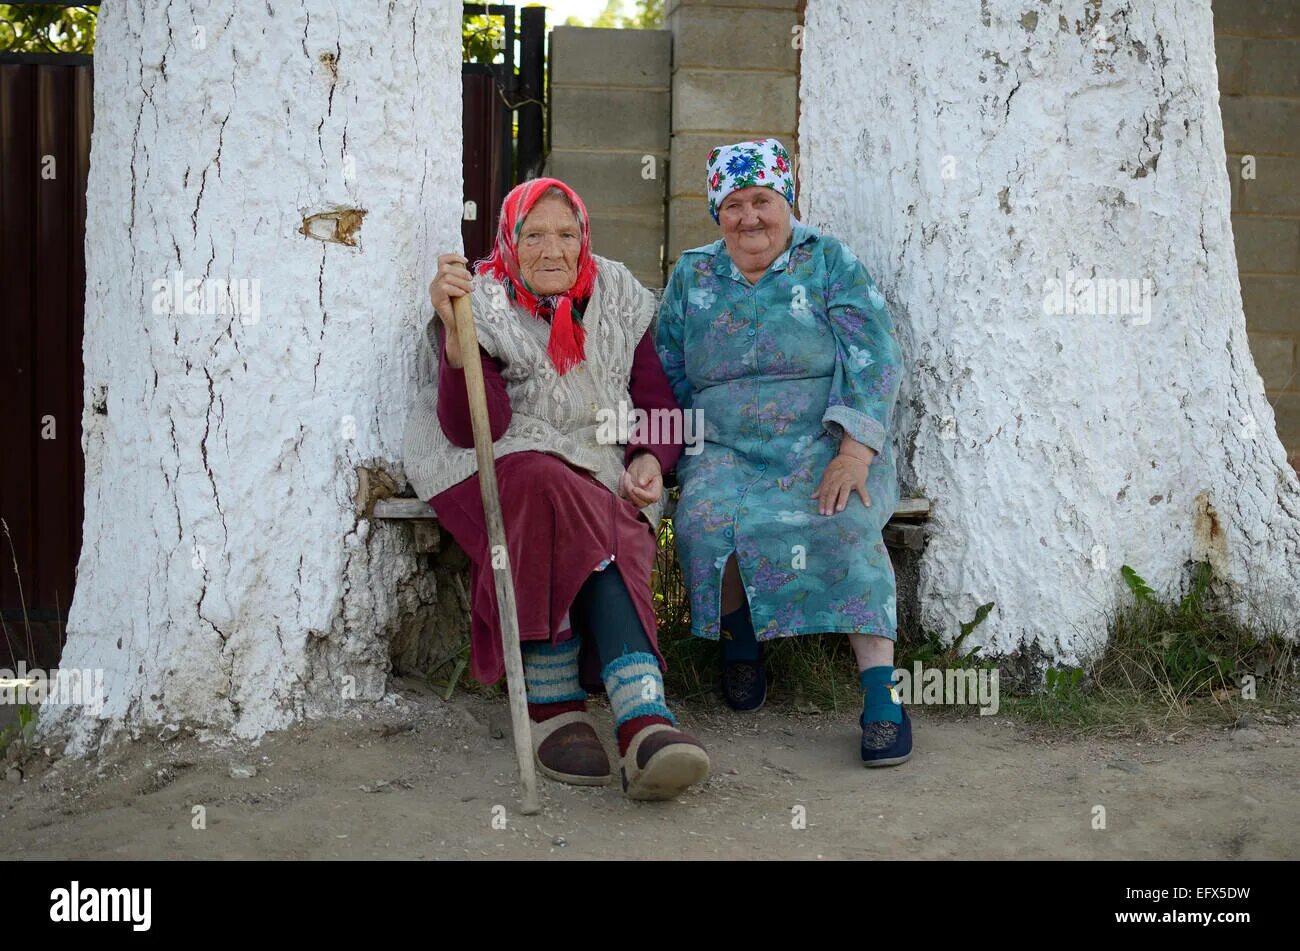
779	370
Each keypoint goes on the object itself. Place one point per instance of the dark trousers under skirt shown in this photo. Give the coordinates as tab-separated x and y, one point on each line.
561	524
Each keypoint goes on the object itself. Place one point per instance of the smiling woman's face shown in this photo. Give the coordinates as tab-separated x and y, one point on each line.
756	226
549	244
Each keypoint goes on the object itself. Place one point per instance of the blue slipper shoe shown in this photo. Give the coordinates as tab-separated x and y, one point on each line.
744	684
879	750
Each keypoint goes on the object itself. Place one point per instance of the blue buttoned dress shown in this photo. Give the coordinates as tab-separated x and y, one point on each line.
777	371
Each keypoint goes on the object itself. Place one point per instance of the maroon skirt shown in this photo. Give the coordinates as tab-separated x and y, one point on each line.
561	524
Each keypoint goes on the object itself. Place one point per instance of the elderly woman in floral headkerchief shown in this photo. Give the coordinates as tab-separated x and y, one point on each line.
778	334
565	341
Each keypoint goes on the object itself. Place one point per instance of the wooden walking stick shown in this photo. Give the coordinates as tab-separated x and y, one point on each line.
499	553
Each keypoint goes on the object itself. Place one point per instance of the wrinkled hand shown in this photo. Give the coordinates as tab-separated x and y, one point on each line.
845	475
451	280
642	482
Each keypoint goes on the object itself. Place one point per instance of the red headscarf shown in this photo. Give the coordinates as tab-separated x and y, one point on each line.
565	345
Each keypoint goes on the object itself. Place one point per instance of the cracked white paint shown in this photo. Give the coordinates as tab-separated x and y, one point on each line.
971	153
224	577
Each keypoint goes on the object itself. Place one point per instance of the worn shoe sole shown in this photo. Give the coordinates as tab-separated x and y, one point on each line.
572	779
890	761
669	773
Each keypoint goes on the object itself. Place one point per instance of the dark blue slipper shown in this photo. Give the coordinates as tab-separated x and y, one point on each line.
744	684
876	753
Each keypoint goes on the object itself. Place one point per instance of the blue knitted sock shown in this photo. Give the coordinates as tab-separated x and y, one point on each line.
635	687
737	636
878	704
551	671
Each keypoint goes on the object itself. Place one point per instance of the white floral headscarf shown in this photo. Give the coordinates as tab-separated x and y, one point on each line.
759	162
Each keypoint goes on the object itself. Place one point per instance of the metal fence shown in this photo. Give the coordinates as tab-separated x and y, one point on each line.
45	120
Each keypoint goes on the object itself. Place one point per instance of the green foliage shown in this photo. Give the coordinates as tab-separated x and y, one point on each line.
1186	648
1064	702
967	659
24	729
483	39
457	662
47	29
647	15
672	605
980	614
933	652
609	17
1137	585
650	14
1167	659
1192	601
1064	684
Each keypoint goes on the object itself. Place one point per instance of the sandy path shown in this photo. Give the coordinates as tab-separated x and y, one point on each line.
976	788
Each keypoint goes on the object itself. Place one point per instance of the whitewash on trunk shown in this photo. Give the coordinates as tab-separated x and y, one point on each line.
225	577
973	154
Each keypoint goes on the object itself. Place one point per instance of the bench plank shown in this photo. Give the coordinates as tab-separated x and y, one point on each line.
395	508
897	533
403	508
912	508
904	535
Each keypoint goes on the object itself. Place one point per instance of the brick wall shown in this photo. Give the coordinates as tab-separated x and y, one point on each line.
1257	44
609	137
733	78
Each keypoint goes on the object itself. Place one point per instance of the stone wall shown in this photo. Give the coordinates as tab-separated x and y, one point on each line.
734	77
609	137
1257	46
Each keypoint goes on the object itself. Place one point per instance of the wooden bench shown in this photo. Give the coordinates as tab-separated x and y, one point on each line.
903	530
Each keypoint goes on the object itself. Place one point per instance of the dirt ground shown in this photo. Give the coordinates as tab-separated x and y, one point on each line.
419	778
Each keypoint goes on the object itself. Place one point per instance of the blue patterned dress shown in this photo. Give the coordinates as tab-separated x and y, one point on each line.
779	370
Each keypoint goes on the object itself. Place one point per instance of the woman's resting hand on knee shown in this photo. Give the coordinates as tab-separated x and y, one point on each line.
844	475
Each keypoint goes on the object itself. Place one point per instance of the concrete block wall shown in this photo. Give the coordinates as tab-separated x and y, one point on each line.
734	77
1257	46
609	96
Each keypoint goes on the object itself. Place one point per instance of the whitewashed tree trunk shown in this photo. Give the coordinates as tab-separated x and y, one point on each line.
225	578
973	153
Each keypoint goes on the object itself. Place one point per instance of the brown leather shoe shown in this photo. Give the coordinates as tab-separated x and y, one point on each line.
662	762
568	750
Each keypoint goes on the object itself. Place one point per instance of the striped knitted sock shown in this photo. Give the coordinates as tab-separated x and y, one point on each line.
636	695
551	678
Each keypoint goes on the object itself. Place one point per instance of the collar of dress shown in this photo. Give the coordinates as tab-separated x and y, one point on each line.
800	233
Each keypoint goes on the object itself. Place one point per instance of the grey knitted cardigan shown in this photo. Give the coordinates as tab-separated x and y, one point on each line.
550	413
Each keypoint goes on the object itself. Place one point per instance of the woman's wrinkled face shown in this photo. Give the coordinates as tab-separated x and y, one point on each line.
549	244
755	225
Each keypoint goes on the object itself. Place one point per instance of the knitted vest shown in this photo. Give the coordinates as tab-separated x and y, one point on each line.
550	413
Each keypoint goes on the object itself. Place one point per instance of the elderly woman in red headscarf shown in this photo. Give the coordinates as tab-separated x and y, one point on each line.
567	350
